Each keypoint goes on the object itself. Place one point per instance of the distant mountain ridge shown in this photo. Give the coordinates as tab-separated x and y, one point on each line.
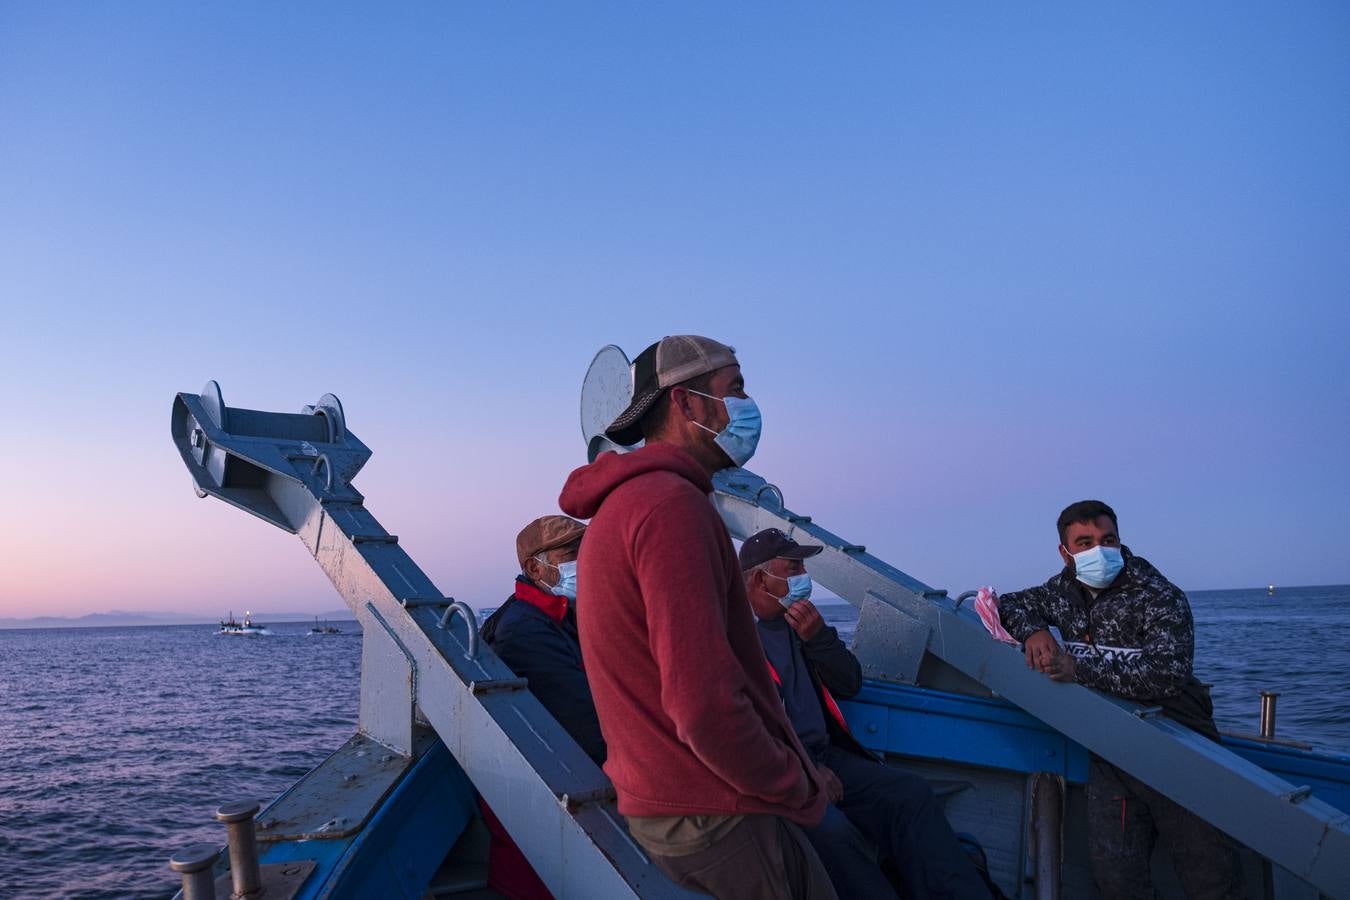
122	618
116	617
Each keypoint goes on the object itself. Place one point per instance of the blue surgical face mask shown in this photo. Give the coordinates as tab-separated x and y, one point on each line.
1098	566
798	588
744	423
567	579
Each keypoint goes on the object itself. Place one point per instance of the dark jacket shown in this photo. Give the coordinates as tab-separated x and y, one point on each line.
836	674
1135	639
535	633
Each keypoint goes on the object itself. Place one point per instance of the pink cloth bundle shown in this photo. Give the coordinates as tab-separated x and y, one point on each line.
986	604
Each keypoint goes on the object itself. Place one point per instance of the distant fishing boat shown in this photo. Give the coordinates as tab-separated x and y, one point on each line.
1270	591
325	628
248	626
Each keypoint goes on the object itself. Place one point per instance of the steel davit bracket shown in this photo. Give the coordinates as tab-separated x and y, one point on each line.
295	471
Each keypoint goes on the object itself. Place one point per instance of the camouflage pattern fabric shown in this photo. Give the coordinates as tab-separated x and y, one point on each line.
1135	640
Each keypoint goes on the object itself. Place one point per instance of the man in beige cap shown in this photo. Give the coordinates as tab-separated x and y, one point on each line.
535	630
535	633
709	772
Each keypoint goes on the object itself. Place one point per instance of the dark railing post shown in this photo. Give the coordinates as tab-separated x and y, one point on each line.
1268	699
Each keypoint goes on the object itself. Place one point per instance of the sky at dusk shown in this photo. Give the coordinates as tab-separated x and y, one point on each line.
978	260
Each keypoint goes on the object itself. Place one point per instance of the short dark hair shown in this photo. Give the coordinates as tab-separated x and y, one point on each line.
1084	511
652	422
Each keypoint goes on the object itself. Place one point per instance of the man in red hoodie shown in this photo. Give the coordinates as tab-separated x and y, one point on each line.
709	772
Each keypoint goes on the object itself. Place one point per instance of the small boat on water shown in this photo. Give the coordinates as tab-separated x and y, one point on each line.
325	628
248	626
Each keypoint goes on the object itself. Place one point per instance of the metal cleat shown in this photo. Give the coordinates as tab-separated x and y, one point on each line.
196	864
238	819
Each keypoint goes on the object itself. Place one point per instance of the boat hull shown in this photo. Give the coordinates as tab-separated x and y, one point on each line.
981	754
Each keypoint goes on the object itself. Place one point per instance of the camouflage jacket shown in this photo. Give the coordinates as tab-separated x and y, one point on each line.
1135	640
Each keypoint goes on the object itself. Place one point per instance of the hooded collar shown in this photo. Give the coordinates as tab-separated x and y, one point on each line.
588	486
548	603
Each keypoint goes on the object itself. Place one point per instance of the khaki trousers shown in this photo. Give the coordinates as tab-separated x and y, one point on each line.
762	858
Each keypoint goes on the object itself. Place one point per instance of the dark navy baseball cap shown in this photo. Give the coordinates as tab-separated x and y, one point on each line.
769	544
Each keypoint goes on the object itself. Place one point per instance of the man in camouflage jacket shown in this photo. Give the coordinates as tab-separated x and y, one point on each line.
1127	631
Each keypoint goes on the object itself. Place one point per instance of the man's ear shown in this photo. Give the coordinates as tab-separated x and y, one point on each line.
1065	555
532	567
679	403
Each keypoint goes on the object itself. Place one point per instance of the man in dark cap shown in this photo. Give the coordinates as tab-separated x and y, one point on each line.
709	772
875	809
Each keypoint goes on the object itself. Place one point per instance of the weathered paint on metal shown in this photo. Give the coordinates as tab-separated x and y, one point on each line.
388	683
338	797
397	853
276	881
1327	774
889	644
398	848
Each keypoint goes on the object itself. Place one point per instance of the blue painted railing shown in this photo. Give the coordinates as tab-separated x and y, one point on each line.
921	722
982	731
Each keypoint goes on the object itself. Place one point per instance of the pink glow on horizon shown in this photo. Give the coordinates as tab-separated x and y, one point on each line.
957	315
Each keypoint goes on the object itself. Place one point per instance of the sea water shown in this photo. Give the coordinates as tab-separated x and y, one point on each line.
117	744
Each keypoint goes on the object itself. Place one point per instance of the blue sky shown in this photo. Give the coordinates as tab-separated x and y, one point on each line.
979	261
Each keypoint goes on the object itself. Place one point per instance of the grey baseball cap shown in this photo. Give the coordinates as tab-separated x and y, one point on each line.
666	363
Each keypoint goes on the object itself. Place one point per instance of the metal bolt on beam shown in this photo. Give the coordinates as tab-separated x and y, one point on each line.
498	684
1298	794
238	819
196	864
374	539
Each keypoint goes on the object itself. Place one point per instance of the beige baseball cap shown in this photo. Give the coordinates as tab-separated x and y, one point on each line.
545	533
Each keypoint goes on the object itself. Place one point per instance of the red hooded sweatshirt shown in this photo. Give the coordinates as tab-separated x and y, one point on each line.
693	723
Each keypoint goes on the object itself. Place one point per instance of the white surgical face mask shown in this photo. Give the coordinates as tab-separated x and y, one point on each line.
1098	566
567	579
744	423
798	588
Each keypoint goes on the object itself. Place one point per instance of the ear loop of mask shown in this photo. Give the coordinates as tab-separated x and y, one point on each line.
562	588
710	397
794	585
740	437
